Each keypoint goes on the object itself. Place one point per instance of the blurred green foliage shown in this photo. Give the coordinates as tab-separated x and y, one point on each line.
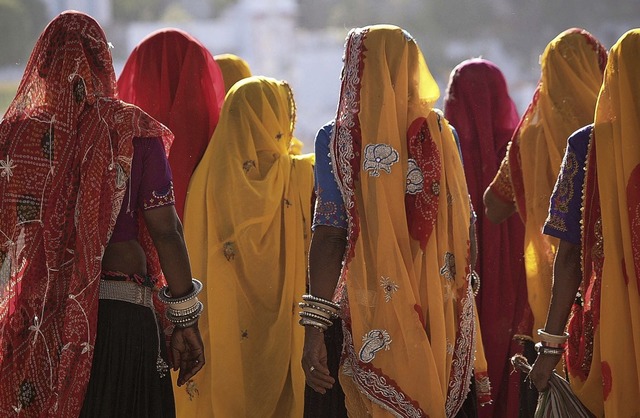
21	22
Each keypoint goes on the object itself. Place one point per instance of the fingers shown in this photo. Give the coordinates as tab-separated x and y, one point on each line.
314	363
190	368
542	370
192	355
318	377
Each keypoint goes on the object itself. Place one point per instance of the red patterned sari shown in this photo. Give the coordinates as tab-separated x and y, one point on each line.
65	156
478	105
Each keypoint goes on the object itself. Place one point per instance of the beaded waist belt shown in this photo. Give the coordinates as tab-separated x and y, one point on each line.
126	291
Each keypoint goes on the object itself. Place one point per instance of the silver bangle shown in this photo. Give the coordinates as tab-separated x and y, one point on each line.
541	349
307	305
322	301
176	318
187	324
317	325
316	318
165	296
198	306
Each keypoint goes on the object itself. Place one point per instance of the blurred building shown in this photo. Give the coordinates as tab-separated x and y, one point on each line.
266	35
99	9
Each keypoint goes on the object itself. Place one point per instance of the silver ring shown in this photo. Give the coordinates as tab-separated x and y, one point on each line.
311	369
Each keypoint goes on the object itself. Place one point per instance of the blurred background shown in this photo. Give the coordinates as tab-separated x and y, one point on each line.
301	41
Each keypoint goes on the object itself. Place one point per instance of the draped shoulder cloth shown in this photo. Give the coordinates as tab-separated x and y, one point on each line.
247	228
406	302
572	66
65	157
478	105
617	158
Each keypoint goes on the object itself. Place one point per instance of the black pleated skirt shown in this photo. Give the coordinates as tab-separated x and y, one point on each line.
124	380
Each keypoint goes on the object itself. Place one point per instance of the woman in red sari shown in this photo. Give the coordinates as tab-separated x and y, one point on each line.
478	105
175	79
78	331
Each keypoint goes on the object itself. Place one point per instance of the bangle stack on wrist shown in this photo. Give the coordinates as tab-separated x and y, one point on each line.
317	312
550	343
184	311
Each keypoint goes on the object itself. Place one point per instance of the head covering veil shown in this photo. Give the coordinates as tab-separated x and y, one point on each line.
611	224
65	151
405	299
247	228
174	78
233	69
572	67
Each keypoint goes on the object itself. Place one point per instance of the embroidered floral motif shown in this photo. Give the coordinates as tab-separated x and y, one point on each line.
6	168
286	202
248	165
389	287
228	249
121	177
563	193
374	341
379	157
415	178
160	198
448	270
279	136
192	389
376	386
244	334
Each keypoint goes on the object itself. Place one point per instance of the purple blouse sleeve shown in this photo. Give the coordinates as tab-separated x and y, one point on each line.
156	186
566	200
329	209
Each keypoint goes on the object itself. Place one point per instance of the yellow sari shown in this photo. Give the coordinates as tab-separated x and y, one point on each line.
247	225
565	99
233	69
407	305
617	126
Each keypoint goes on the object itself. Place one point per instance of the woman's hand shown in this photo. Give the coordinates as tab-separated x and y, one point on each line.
314	361
542	369
187	351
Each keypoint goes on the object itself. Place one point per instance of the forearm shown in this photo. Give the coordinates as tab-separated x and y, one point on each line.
325	260
567	276
174	261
